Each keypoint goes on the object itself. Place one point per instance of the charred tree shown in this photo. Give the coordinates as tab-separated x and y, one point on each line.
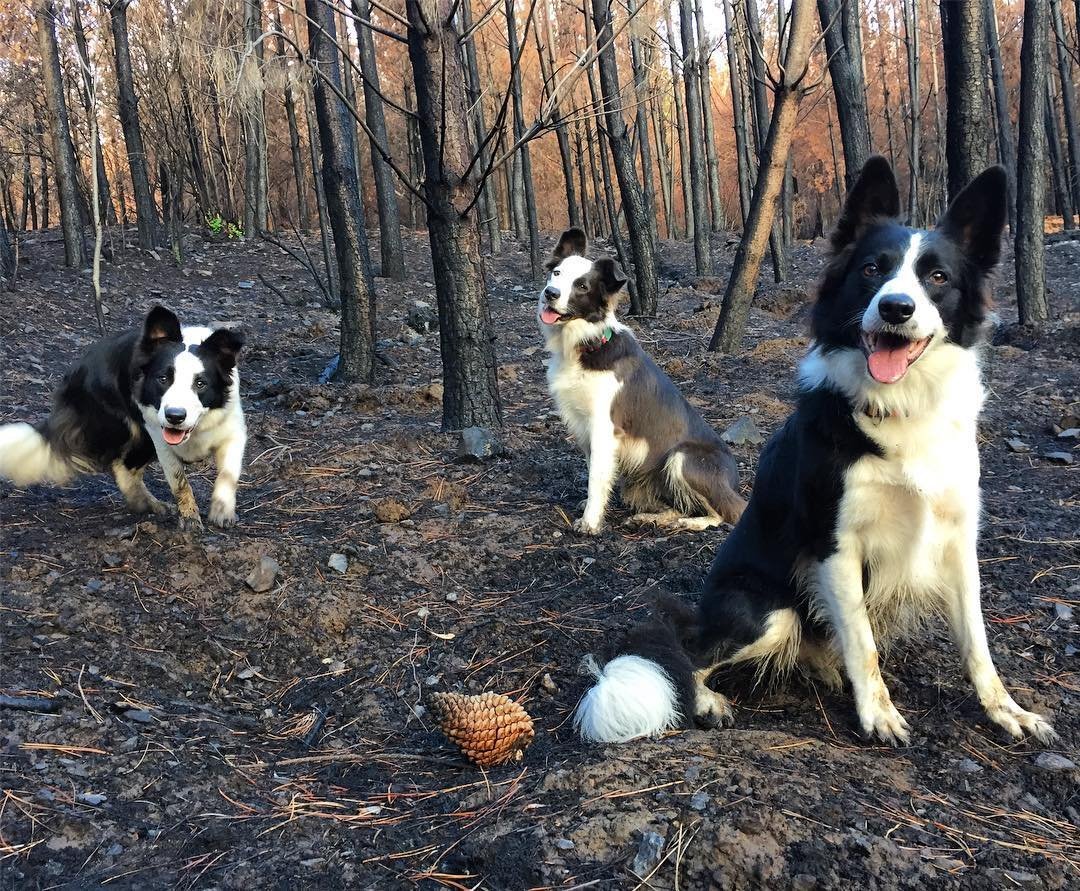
738	109
1031	167
967	121
1058	165
489	199
678	71
1068	98
295	151
1006	149
86	95
760	108
470	380
62	150
346	215
390	250
695	130
543	36
840	24
641	123
716	209
528	191
254	121
146	217
638	225
788	92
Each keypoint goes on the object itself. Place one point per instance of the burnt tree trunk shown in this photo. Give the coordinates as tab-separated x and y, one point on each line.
663	163
146	217
699	183
1058	166
315	154
346	215
678	71
740	288
546	56
1006	149
641	123
63	152
736	81
760	106
1068	98
1031	166
967	121
489	199
390	249
840	26
7	257
716	209
295	151
470	380
528	191
86	94
253	117
637	213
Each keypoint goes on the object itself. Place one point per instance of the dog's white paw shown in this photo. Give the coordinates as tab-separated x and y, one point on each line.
190	523
155	507
1019	722
713	709
222	514
881	719
588	527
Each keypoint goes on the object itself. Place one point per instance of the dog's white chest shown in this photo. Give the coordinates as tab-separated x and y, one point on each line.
581	396
910	514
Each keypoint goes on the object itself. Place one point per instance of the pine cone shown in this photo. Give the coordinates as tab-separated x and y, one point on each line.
490	728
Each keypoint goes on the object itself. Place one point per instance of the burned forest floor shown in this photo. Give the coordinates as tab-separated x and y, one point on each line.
200	733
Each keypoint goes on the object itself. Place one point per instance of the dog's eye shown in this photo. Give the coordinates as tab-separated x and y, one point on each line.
938	277
163	379
200	385
870	270
555	274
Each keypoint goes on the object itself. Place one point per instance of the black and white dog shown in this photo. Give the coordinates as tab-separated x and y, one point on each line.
167	392
624	413
864	516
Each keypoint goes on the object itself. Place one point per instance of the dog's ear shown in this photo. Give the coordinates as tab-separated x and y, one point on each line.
225	344
609	275
976	218
571	242
875	196
161	325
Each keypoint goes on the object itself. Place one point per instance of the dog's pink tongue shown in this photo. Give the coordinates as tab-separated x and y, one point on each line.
887	365
548	316
172	437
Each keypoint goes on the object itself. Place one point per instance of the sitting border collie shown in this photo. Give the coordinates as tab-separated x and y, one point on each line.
864	517
624	413
167	392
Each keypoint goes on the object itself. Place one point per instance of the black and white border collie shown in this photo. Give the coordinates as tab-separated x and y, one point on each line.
624	413
167	392
864	517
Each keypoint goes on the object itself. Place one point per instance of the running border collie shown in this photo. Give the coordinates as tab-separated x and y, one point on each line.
167	392
624	413
864	517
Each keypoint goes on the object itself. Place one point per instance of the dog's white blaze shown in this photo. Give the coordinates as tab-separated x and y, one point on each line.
182	393
926	320
562	279
633	697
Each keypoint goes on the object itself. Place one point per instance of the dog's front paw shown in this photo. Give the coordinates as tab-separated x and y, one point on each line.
1018	722
588	527
222	514
190	523
155	507
886	723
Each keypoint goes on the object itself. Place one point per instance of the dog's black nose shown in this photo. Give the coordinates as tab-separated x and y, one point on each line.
175	415
895	309
551	293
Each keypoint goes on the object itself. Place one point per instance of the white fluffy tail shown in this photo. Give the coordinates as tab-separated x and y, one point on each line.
633	697
27	457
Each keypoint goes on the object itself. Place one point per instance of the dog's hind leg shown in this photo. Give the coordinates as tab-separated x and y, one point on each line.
702	481
132	486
